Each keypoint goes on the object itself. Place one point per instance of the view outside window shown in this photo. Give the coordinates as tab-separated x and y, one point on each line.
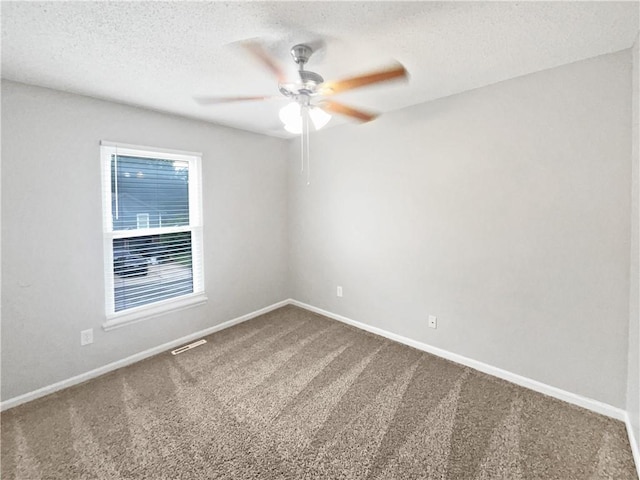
149	188
151	231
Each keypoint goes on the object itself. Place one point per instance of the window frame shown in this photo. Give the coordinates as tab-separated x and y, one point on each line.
127	316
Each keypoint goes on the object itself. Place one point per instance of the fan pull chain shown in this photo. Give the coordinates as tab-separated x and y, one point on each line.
302	142
306	134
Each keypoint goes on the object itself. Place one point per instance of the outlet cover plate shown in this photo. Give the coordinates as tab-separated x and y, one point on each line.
433	321
86	337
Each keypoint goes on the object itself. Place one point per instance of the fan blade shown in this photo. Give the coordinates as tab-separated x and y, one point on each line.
330	88
342	109
260	54
219	100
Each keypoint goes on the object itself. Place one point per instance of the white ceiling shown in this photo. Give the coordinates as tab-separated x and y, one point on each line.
160	55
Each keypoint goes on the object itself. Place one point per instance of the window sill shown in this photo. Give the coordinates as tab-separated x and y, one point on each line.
150	311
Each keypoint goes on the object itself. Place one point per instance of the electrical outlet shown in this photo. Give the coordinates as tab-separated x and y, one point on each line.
86	337
433	321
339	291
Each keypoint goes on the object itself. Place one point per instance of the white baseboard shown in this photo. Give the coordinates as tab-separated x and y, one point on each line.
593	405
83	377
633	441
584	402
589	404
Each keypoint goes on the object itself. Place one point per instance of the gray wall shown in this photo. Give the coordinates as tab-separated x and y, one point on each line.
504	211
52	261
633	382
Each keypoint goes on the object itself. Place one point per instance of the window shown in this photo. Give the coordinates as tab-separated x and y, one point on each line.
152	231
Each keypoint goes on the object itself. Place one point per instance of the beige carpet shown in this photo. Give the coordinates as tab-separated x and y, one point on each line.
293	395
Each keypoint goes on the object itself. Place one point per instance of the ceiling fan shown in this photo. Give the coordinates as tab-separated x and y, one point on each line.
304	108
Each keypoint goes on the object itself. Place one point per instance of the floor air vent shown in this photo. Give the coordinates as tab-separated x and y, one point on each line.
188	347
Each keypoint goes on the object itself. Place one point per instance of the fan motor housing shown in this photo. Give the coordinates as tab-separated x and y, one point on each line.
308	85
310	77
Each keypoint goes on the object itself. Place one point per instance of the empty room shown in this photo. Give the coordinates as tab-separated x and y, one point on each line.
320	240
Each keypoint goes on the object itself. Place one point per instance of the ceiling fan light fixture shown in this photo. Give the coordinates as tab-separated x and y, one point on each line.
295	128
319	117
290	115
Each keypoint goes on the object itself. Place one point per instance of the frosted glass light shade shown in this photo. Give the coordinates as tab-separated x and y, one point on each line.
294	127
290	113
291	117
319	117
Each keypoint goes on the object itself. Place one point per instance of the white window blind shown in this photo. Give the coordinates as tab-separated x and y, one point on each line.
152	228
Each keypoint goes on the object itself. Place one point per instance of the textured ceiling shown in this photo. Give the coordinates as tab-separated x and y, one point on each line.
160	55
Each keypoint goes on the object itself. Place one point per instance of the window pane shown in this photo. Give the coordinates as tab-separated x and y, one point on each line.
149	192
151	268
